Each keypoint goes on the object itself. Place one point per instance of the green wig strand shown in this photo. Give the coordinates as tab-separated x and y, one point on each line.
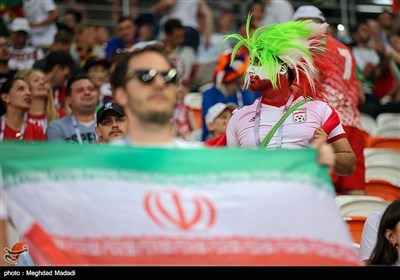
291	43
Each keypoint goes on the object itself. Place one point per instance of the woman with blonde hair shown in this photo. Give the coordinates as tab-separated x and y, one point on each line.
42	109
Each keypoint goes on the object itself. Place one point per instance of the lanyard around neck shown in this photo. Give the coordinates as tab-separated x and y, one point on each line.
258	117
45	124
56	97
279	125
22	131
77	131
288	110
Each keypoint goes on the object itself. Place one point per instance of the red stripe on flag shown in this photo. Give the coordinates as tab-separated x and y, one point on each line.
231	250
43	249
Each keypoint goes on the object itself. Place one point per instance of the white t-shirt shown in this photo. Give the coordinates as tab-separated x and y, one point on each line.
37	11
24	58
277	11
364	56
186	11
369	235
296	131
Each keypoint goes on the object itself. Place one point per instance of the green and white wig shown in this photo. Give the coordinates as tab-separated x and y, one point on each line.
292	44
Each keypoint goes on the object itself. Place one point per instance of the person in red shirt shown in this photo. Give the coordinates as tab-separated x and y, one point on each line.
292	112
16	96
42	110
344	95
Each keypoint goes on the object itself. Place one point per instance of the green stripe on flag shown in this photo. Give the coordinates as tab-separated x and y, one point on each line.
54	161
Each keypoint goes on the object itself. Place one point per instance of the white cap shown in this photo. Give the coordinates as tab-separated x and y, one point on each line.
216	110
20	24
308	11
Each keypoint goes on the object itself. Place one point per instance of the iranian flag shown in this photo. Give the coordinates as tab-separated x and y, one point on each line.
122	205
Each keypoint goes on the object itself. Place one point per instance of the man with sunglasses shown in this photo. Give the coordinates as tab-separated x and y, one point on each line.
144	85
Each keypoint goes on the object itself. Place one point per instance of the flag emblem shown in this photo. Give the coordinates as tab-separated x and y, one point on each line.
299	115
179	216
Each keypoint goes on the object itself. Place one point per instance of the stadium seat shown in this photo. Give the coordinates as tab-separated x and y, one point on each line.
388	119
355	224
388	125
382	157
382	164
382	189
383	142
368	124
355	210
360	205
388	131
346	198
390	174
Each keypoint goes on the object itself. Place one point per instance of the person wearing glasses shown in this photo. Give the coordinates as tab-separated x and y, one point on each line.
144	84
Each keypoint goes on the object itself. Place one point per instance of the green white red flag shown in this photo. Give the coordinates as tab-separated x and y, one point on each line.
114	205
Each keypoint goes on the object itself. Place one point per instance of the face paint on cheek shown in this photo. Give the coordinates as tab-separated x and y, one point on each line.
262	74
251	74
257	71
257	78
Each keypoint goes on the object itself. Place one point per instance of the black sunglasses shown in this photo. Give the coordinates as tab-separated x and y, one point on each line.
147	76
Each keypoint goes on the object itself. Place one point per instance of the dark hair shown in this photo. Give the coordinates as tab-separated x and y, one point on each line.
5	88
63	27
117	55
124	18
7	85
171	25
62	58
64	36
360	23
384	253
118	76
75	79
290	75
289	71
2	107
255	2
76	14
